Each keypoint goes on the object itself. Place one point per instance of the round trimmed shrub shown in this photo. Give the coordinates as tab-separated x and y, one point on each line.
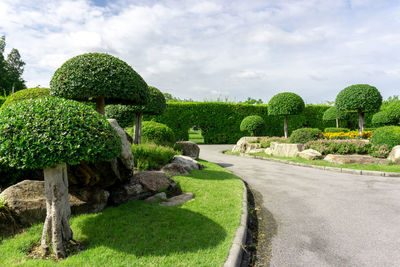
362	97
42	132
336	130
304	135
389	116
380	118
333	113
388	135
254	124
157	133
29	93
94	75
286	104
156	104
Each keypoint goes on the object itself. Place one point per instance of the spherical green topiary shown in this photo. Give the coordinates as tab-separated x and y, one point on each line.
93	75
157	133
380	118
44	132
285	104
156	104
362	97
29	93
333	113
254	124
388	135
303	135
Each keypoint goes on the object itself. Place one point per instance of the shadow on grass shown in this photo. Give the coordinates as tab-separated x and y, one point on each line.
148	229
207	174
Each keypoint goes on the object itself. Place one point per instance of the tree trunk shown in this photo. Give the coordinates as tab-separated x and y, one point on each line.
285	129
56	230
337	123
138	129
360	121
100	105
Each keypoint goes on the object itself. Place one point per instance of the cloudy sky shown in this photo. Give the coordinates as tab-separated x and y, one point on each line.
209	49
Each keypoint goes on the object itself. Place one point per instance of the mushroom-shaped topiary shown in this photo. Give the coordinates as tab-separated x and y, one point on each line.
29	93
333	113
361	98
285	104
49	133
99	77
253	124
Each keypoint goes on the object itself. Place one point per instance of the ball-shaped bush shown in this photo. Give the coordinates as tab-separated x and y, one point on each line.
380	118
156	104
333	113
29	93
157	133
285	104
363	97
43	132
93	75
124	114
387	135
303	135
253	124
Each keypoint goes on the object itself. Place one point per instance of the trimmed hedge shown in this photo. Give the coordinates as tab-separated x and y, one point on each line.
253	124
388	135
29	93
304	135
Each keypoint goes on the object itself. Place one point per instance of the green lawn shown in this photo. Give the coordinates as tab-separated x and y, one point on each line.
320	162
196	137
199	233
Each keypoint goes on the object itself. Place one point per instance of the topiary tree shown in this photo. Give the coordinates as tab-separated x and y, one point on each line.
285	104
29	93
333	113
389	116
253	124
361	98
99	77
48	133
157	133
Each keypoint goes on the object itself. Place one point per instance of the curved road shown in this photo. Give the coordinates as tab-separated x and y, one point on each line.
322	218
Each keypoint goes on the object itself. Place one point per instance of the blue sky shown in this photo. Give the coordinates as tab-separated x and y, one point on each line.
210	49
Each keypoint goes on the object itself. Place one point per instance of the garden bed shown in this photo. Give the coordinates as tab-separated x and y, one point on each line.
199	233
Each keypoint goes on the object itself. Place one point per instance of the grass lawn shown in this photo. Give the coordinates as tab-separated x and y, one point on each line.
196	137
199	233
320	162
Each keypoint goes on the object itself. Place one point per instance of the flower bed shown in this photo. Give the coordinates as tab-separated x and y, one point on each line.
347	135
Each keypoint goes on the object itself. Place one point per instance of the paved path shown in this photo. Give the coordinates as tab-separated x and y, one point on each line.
323	218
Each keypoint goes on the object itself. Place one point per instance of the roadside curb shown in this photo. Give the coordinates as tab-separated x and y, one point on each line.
236	251
327	168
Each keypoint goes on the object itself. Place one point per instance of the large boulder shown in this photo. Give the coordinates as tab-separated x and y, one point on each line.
285	150
173	169
355	158
28	200
394	155
189	149
310	154
243	144
153	180
8	224
187	163
126	156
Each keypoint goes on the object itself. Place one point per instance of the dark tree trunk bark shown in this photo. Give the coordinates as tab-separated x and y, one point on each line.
56	230
360	121
100	105
285	129
337	123
138	129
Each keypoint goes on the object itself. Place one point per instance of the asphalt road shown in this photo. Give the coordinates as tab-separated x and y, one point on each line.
322	218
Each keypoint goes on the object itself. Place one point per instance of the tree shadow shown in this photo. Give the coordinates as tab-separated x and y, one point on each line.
144	229
224	165
207	174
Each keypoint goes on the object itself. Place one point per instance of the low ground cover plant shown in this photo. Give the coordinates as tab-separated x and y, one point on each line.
303	135
152	156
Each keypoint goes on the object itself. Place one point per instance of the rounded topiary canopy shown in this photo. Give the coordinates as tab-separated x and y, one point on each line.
361	97
157	133
333	113
29	93
93	75
44	132
285	104
156	104
253	124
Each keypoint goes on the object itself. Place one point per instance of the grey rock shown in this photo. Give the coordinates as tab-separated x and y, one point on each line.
131	190
285	150
173	169
153	180
189	149
354	158
178	200
157	197
394	155
268	151
310	154
127	156
187	163
8	224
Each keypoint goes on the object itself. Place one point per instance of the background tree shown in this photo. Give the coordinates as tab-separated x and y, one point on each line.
285	104
333	113
48	133
253	101
99	77
390	115
253	124
361	98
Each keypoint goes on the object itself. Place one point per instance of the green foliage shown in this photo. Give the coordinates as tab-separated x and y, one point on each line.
333	113
253	101
336	130
152	156
388	135
124	114
92	75
304	135
2	202
157	133
362	97
43	132
29	93
389	116
156	104
286	104
253	124
266	142
391	99
2	100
